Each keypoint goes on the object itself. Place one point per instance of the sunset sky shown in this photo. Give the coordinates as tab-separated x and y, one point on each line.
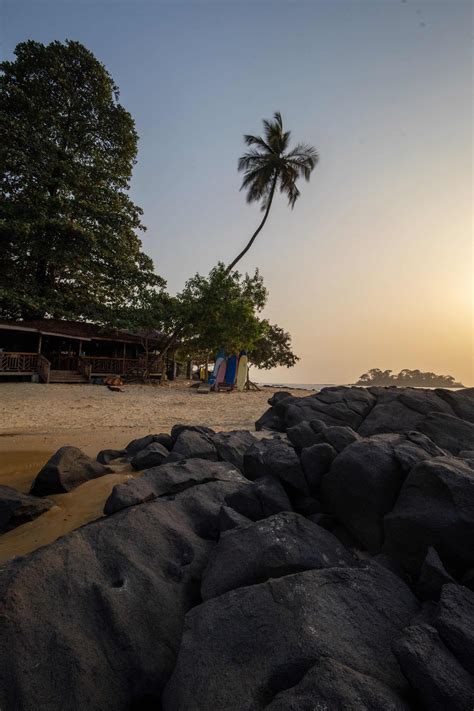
374	266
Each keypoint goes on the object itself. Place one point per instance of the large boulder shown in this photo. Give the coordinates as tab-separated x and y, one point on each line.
460	401
152	456
136	445
316	462
390	414
448	432
105	456
278	545
273	457
94	620
454	620
264	498
66	469
176	430
333	406
332	685
231	446
240	649
190	443
433	575
439	679
435	508
361	487
17	508
168	480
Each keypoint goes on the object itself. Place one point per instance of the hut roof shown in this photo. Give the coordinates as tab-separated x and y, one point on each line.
77	329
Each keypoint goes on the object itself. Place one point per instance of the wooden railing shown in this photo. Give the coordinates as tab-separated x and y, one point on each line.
18	362
44	368
102	365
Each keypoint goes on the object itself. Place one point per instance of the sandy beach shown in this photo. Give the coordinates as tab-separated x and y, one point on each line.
35	420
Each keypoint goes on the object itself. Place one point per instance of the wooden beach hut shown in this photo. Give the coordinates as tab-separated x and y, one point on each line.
59	351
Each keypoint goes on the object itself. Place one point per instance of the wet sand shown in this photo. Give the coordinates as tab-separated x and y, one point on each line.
35	420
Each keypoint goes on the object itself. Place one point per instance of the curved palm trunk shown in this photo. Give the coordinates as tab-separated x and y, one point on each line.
258	230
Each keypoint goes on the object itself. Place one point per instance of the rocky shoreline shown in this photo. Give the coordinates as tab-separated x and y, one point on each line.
327	565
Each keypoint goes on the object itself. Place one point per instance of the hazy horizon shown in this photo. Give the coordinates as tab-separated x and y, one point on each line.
374	266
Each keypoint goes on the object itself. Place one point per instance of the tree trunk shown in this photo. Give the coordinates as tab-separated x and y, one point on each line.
258	230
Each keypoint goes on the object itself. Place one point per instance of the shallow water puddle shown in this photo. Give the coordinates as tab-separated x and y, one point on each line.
79	506
18	468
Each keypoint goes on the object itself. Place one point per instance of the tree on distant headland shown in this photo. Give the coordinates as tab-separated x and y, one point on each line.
407	378
68	242
269	166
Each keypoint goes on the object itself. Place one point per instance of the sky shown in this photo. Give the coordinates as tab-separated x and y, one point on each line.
374	266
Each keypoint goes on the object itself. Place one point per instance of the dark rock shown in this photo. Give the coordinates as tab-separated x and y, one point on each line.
409	455
270	421
441	682
467	579
461	402
333	406
263	638
361	487
434	509
202	504
152	456
17	508
190	443
448	432
316	462
229	519
278	545
424	401
231	446
391	564
425	443
305	505
106	605
66	469
169	480
302	435
331	685
454	620
390	414
106	456
266	497
466	454
321	519
176	430
280	397
136	445
340	437
275	458
433	576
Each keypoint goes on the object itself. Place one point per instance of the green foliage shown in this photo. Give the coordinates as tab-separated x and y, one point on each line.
220	311
273	348
271	162
68	242
407	378
270	166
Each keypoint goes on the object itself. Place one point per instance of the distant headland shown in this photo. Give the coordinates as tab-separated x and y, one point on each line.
406	377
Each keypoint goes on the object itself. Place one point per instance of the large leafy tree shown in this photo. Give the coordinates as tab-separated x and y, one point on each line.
68	229
273	348
220	311
269	166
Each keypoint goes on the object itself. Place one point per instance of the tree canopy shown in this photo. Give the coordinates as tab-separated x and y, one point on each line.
68	229
406	377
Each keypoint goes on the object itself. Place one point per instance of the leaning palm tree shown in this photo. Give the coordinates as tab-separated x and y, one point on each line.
270	166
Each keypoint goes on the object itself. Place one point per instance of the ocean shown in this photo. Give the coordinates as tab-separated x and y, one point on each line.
297	386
